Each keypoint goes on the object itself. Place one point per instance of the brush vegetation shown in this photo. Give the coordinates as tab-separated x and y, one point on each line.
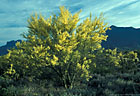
62	57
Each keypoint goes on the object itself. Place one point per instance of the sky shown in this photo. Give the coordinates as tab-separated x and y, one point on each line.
15	13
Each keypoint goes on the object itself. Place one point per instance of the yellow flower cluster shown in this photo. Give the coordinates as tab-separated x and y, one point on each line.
54	60
11	70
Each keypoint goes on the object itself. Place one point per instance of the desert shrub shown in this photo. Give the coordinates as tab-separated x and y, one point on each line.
5	83
129	62
114	84
106	61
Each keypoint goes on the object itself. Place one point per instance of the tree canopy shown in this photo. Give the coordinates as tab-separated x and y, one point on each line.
60	44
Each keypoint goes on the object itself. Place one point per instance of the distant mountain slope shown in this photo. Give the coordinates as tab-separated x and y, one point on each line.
10	44
123	37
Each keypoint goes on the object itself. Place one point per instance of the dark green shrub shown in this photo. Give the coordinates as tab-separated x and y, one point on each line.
114	84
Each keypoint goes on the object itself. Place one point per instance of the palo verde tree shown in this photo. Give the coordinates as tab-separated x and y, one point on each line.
60	44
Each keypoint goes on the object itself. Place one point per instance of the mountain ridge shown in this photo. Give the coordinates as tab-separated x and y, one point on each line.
123	37
10	44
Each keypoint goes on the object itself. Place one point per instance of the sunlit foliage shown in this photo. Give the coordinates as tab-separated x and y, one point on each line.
61	44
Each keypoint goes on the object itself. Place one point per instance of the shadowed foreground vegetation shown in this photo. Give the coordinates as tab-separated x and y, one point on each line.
62	58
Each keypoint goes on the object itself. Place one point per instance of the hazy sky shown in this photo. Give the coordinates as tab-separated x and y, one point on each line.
14	13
